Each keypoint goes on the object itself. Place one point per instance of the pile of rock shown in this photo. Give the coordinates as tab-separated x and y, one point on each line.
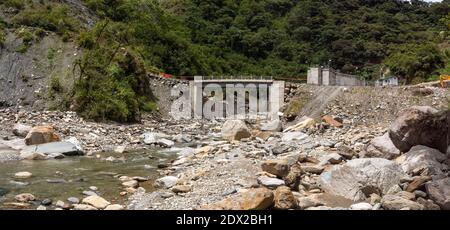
404	169
42	142
91	202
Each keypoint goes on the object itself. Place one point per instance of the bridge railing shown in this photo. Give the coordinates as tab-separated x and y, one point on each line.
237	78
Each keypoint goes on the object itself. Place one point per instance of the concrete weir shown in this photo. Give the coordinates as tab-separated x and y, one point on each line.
242	98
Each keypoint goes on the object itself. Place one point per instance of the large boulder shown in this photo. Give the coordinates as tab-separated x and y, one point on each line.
235	130
424	161
41	135
421	125
381	147
66	148
160	139
21	130
393	202
358	179
272	126
439	192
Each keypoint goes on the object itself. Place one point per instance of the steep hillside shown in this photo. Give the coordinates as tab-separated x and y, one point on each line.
38	51
94	56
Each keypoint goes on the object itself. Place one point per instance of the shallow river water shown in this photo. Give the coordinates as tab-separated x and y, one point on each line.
69	177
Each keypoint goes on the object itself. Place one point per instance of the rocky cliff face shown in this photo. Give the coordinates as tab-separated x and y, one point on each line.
27	73
25	77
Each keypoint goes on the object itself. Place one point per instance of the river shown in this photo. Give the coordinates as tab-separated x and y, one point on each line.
69	177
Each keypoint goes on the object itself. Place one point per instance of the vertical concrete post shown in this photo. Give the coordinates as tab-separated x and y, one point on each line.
276	98
197	96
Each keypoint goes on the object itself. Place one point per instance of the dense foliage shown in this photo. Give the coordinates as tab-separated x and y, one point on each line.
281	38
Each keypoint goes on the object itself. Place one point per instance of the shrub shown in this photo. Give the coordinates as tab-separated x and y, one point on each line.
150	106
51	17
2	38
113	84
18	4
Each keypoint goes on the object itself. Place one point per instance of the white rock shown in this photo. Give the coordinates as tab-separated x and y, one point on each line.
358	179
235	130
114	207
275	126
361	206
84	207
166	182
96	201
293	136
23	175
270	182
21	130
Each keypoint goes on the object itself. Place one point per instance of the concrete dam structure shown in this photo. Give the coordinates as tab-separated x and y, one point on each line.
330	77
236	97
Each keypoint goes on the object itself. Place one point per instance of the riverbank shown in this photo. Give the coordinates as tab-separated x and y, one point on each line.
209	168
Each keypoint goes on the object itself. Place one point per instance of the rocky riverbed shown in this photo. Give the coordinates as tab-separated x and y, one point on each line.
355	155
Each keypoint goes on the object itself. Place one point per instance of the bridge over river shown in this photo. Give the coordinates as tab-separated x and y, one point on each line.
244	97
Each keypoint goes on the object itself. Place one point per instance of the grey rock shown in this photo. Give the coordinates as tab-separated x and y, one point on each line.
332	158
313	169
392	202
439	192
326	143
89	193
421	125
46	202
428	204
308	202
65	148
280	149
424	160
166	182
381	147
166	195
235	130
273	126
187	152
27	155
165	143
270	182
293	136
358	179
421	194
19	183
73	200
3	191
56	156
21	130
152	138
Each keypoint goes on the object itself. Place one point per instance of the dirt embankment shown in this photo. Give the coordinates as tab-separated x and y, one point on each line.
361	105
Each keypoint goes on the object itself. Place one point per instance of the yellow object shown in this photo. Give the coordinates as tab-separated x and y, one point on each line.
443	79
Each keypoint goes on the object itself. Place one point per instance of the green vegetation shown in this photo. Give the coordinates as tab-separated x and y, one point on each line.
280	38
415	62
49	16
2	32
2	37
113	82
295	106
18	4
